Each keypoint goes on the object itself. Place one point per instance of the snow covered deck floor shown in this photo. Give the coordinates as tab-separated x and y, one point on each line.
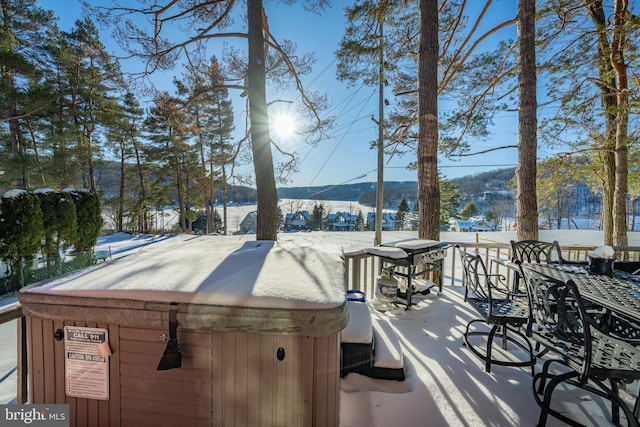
446	384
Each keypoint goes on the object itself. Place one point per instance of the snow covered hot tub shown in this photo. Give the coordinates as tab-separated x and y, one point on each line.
256	324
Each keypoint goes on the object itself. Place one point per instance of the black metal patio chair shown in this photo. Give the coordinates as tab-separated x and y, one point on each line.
504	311
593	359
622	328
537	251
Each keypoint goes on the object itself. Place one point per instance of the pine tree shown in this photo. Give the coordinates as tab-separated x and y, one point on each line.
159	50
470	210
169	150
492	216
125	135
56	128
526	201
598	42
96	76
209	113
316	221
360	222
428	184
23	34
403	208
449	202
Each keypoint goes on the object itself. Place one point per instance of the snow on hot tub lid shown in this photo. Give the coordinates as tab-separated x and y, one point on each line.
210	270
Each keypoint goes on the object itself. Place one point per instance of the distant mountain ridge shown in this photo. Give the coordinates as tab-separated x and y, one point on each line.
471	188
363	192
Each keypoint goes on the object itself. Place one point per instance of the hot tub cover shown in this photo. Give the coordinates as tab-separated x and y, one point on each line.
214	282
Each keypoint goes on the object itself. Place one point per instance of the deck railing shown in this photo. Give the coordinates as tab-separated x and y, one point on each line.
361	271
8	313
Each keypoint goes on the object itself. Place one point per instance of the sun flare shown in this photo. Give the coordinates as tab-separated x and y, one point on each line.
283	125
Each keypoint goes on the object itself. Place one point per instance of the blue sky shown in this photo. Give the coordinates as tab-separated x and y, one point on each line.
346	156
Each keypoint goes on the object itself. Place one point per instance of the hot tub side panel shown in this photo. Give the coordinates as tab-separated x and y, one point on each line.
46	374
226	379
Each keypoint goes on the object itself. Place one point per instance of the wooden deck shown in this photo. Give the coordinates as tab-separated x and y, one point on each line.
194	393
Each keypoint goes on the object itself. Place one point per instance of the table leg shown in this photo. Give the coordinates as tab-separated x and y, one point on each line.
411	270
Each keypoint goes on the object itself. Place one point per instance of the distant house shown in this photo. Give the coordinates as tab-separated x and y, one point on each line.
388	221
459	225
471	225
341	221
482	225
249	224
297	221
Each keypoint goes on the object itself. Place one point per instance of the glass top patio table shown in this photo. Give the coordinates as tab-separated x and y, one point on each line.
619	292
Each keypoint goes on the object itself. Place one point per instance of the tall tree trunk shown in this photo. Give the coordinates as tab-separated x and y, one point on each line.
595	10
267	214
91	128
36	154
622	124
211	195
207	181
91	166
17	140
224	199
120	213
187	196
211	208
428	184
8	78
179	188
144	220
380	178
526	193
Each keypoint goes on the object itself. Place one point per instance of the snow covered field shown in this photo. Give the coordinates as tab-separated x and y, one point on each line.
585	235
236	213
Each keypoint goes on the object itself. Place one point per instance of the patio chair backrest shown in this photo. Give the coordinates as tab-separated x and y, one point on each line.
537	251
557	310
475	279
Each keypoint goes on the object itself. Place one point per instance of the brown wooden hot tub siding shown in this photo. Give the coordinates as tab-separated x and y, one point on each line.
227	378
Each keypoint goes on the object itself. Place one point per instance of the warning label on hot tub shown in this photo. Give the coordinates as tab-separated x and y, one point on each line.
86	365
